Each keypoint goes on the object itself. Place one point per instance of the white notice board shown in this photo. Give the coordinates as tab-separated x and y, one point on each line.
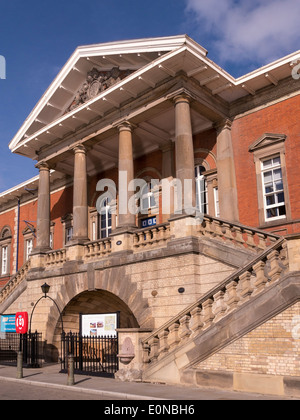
95	325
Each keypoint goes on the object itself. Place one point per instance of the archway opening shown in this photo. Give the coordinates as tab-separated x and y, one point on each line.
90	302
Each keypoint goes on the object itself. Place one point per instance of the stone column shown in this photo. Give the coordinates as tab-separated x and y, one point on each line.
167	160
226	173
184	148
80	206
43	209
126	174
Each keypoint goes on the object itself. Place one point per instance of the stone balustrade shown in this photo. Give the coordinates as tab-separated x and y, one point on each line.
234	291
14	281
151	237
55	257
235	233
97	249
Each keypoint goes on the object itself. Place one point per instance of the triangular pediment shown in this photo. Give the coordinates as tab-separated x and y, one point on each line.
90	71
266	140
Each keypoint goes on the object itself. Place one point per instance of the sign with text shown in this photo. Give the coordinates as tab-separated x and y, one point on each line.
99	325
21	322
151	221
7	323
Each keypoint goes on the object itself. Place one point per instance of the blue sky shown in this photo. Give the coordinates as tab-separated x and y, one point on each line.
38	37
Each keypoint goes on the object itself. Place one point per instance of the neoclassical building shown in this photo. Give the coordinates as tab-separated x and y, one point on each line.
205	271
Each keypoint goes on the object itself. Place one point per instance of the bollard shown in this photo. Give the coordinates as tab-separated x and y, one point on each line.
71	380
20	365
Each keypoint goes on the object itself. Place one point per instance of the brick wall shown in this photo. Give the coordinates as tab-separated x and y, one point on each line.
280	118
271	349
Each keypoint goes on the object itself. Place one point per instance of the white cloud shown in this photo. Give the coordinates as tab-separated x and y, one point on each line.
253	30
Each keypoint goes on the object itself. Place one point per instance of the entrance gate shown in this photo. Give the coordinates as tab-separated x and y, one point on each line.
93	355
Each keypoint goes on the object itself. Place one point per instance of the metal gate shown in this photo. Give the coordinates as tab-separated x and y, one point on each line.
93	355
30	344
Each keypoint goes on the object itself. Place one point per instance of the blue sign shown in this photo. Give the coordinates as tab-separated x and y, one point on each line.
149	222
8	323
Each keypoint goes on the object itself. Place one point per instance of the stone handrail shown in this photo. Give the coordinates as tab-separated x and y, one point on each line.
14	281
236	233
151	236
238	288
55	257
96	249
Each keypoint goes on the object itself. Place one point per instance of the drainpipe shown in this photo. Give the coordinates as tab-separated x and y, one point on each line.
18	227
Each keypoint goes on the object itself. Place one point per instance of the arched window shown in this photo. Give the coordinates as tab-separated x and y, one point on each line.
105	219
201	189
5	245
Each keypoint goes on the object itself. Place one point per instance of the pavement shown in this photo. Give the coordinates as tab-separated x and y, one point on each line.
49	376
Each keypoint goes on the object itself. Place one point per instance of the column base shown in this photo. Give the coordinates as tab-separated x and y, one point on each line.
40	250
123	229
78	241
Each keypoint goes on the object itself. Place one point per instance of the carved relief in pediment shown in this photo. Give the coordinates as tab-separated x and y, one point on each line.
96	82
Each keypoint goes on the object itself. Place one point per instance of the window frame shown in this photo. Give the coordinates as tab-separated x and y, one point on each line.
274	193
4	272
5	242
267	147
106	209
27	254
198	191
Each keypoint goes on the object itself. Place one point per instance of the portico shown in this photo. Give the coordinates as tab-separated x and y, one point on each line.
123	107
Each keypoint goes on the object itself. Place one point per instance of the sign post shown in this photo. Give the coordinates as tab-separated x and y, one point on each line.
21	323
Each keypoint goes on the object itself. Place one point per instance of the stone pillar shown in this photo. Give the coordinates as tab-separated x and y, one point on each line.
167	160
126	219
228	202
43	209
80	206
185	168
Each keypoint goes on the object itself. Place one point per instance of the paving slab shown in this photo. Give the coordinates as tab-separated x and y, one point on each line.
50	376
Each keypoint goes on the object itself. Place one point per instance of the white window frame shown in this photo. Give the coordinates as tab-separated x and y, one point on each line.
274	169
148	196
29	247
106	216
216	201
201	189
4	260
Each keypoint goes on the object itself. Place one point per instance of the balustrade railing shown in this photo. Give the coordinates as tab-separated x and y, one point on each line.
238	288
14	281
97	249
235	233
152	236
56	257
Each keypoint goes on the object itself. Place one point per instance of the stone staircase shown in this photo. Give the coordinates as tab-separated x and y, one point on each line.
16	282
241	302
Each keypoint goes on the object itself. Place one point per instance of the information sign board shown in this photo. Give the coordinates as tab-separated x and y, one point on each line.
99	325
7	323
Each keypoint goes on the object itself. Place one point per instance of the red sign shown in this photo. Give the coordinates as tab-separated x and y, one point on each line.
21	322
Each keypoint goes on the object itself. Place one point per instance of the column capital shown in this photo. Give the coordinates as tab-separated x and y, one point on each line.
183	97
79	148
125	126
42	166
226	123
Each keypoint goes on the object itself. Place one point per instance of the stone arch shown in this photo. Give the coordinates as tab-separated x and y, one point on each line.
112	287
5	232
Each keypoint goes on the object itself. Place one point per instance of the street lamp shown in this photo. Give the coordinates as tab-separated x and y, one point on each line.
45	289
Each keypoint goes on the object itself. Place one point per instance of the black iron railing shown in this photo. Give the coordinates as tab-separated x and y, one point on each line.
93	355
30	344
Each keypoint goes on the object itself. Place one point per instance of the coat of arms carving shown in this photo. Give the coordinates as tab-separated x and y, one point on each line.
96	82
